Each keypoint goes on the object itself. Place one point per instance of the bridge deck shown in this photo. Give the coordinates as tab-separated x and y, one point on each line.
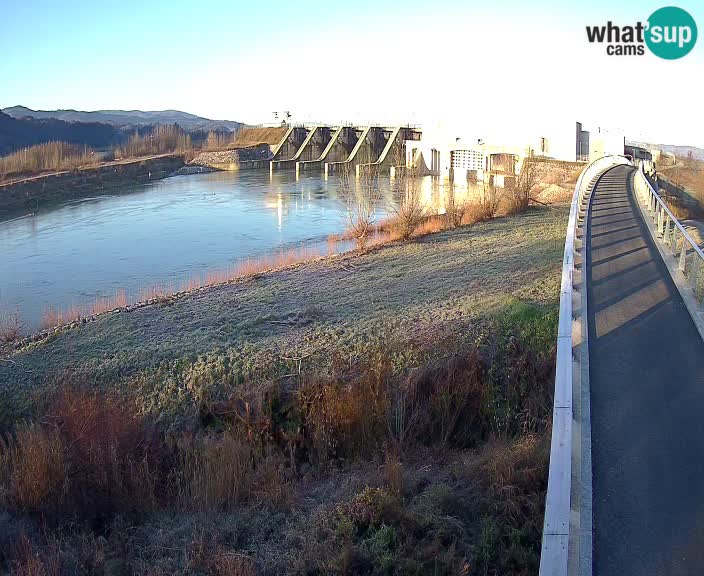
646	362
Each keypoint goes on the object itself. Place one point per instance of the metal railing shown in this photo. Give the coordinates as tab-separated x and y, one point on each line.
689	255
558	536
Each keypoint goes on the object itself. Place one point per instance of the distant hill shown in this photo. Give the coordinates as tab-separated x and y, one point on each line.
697	153
16	133
129	118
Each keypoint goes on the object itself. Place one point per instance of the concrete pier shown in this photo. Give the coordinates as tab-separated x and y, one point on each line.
312	148
289	145
341	144
369	147
393	154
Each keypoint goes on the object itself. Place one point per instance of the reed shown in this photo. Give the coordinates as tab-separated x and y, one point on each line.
50	156
161	140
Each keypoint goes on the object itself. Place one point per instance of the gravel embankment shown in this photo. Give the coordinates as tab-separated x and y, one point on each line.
225	159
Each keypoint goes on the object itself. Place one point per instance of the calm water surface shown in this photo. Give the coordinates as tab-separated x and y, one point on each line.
159	234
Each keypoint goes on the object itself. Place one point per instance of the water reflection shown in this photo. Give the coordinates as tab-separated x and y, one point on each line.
165	232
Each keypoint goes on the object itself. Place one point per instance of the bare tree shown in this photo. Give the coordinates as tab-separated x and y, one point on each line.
407	206
520	189
488	204
454	209
360	198
408	209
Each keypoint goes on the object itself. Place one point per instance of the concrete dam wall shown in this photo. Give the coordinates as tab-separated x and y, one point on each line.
330	149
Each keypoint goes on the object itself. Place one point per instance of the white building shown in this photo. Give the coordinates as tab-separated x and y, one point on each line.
464	159
603	142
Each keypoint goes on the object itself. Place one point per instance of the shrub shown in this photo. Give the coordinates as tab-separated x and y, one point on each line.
446	402
31	560
520	189
367	508
408	211
33	469
52	317
513	482
11	327
430	225
455	209
488	204
213	473
346	415
113	453
393	474
90	457
521	362
408	216
360	199
204	555
458	399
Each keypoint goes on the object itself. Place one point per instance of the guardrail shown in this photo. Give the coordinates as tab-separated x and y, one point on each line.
558	526
690	257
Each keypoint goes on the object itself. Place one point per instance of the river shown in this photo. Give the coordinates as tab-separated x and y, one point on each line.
160	234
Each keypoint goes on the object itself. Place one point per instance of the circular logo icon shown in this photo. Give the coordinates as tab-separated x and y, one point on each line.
670	33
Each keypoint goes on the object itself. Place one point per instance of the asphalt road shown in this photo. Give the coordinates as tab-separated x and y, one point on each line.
646	362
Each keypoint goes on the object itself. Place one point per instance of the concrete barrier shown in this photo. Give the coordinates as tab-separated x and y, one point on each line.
567	527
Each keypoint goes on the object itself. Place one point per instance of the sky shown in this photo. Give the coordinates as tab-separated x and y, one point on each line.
488	69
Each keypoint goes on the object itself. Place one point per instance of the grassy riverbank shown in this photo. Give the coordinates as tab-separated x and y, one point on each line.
430	288
373	413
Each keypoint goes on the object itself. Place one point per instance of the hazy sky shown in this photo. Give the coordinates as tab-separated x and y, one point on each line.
485	67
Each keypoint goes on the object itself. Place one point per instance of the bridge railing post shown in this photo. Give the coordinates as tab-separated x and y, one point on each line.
660	218
683	256
666	231
699	280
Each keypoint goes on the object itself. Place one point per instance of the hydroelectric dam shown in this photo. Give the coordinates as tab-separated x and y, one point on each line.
330	149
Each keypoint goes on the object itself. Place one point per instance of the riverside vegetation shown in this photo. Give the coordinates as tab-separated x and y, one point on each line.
385	411
58	156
